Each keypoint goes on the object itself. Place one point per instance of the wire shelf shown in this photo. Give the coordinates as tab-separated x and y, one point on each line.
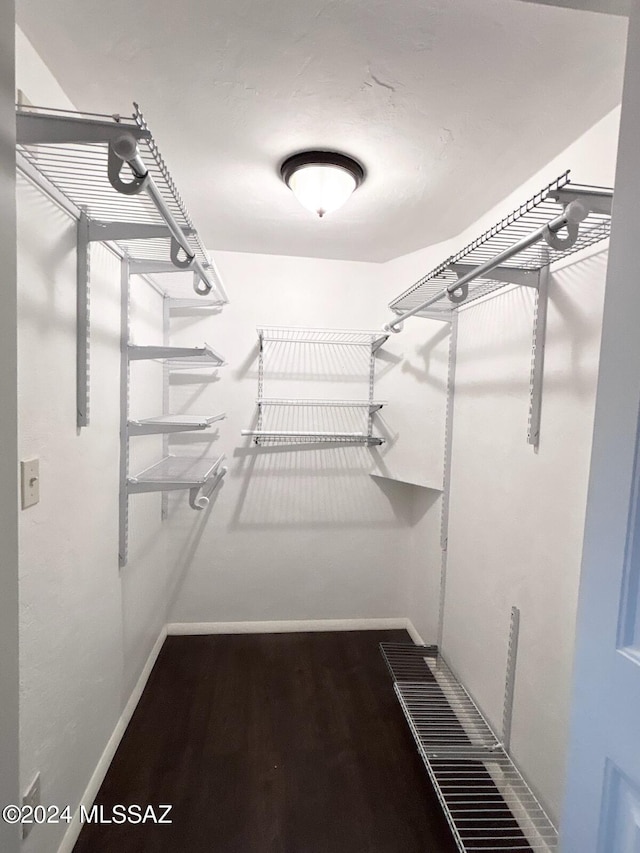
371	405
172	423
342	337
486	801
545	205
79	172
262	437
175	472
204	356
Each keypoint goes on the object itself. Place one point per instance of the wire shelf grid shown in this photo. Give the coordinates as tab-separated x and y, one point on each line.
485	798
535	212
342	337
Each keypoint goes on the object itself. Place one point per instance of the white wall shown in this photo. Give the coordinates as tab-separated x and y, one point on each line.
294	534
517	516
86	630
9	835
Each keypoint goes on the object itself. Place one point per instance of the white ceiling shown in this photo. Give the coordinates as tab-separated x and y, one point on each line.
449	104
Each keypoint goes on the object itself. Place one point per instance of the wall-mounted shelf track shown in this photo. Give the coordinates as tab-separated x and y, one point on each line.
173	473
514	250
316	420
204	356
163	424
487	803
107	173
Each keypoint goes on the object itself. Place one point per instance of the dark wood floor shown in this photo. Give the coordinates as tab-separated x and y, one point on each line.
272	743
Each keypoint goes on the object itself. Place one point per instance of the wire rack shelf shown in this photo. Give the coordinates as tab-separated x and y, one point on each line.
371	405
341	337
262	437
204	356
541	208
200	477
69	151
162	424
487	802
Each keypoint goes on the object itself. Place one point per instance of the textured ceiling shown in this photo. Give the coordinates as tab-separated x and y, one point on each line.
450	104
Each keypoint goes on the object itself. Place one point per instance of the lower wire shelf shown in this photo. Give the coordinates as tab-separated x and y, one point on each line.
173	473
261	436
486	801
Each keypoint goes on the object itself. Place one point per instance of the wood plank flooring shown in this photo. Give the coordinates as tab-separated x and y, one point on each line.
271	743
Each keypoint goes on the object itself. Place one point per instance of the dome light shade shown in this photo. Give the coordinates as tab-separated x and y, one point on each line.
322	181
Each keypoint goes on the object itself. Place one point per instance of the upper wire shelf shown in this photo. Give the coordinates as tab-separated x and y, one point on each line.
70	150
545	205
338	404
487	802
342	337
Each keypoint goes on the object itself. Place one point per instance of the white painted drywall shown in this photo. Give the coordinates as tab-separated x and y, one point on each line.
9	782
86	629
293	534
517	517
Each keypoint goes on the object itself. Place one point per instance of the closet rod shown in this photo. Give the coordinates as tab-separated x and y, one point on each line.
572	215
126	147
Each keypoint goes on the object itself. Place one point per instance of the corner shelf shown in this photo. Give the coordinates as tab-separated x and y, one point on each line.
408	481
162	424
175	473
204	356
301	437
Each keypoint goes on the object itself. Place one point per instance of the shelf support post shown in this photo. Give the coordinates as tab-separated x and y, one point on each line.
123	534
510	680
537	357
83	271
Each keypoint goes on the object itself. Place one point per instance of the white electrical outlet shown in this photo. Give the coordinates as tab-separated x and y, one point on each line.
30	477
31	798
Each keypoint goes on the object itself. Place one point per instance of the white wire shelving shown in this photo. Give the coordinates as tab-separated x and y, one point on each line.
341	337
543	230
488	804
173	473
80	155
162	424
318	420
370	405
177	357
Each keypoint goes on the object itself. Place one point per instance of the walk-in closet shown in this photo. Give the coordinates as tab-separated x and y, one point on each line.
320	377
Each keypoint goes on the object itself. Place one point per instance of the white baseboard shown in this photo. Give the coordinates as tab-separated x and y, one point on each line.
91	791
276	627
195	628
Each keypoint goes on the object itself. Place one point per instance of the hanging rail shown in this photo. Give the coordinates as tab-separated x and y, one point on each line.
583	210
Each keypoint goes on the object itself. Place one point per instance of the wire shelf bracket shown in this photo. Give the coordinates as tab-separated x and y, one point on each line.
486	800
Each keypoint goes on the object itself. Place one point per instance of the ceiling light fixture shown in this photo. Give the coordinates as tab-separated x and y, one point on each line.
321	180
